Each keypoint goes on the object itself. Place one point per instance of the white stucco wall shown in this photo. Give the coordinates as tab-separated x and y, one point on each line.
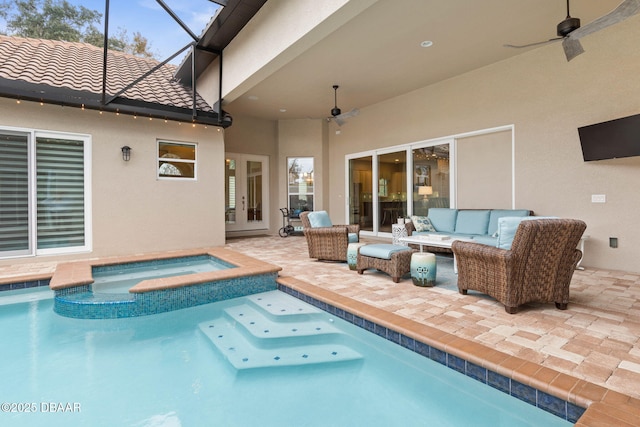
546	99
134	211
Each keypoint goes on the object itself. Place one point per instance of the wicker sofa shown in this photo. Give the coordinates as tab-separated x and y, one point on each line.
327	241
537	268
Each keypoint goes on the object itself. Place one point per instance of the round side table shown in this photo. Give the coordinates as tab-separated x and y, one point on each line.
423	269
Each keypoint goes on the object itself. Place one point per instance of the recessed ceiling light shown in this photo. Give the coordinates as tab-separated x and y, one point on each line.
426	43
283	110
252	97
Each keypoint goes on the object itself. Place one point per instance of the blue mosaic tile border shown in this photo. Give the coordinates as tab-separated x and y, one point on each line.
160	262
80	303
556	406
24	285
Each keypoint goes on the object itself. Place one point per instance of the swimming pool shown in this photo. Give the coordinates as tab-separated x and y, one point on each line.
165	370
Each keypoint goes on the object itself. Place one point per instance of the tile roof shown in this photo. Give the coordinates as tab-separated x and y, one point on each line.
43	67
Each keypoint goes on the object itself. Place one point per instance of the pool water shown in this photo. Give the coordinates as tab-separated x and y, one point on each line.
188	368
120	278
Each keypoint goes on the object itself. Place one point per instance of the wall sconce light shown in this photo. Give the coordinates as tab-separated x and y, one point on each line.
126	153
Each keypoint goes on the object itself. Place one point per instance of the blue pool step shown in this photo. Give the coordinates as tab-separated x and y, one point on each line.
273	329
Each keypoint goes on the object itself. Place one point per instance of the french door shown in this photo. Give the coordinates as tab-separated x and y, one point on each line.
246	192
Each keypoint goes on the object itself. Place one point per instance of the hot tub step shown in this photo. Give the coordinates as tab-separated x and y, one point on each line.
262	327
243	355
283	306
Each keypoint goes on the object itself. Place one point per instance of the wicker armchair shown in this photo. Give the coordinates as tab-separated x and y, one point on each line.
327	243
538	267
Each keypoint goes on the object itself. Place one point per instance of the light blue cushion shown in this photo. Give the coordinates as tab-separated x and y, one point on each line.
499	213
472	221
485	239
382	251
443	219
353	238
319	219
507	227
422	224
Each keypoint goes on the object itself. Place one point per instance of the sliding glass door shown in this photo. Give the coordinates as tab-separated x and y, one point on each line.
392	188
44	181
361	192
431	186
384	186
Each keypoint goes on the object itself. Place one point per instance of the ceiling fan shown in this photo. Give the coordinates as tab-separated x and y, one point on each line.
570	31
336	114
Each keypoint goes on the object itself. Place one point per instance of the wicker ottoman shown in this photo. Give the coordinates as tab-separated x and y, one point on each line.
395	260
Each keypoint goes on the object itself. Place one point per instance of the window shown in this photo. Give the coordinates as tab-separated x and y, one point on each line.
300	185
43	193
176	160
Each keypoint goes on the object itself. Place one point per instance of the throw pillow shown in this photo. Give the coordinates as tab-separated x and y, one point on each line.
422	224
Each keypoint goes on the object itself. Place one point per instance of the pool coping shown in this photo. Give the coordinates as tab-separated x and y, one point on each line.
603	406
78	273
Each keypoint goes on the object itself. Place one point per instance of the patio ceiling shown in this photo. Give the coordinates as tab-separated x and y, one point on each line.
377	55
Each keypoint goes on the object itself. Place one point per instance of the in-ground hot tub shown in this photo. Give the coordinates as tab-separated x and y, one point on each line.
157	283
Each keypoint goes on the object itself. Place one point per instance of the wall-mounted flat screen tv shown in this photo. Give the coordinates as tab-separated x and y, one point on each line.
612	139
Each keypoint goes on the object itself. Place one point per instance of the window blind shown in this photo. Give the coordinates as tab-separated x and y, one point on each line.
14	194
60	193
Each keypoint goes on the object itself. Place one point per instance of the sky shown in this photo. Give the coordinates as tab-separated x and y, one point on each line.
149	19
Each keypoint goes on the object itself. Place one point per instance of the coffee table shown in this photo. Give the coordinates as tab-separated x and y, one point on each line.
438	242
425	240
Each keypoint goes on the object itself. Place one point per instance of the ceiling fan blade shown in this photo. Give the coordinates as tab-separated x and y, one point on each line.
625	10
354	112
572	48
515	46
338	120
